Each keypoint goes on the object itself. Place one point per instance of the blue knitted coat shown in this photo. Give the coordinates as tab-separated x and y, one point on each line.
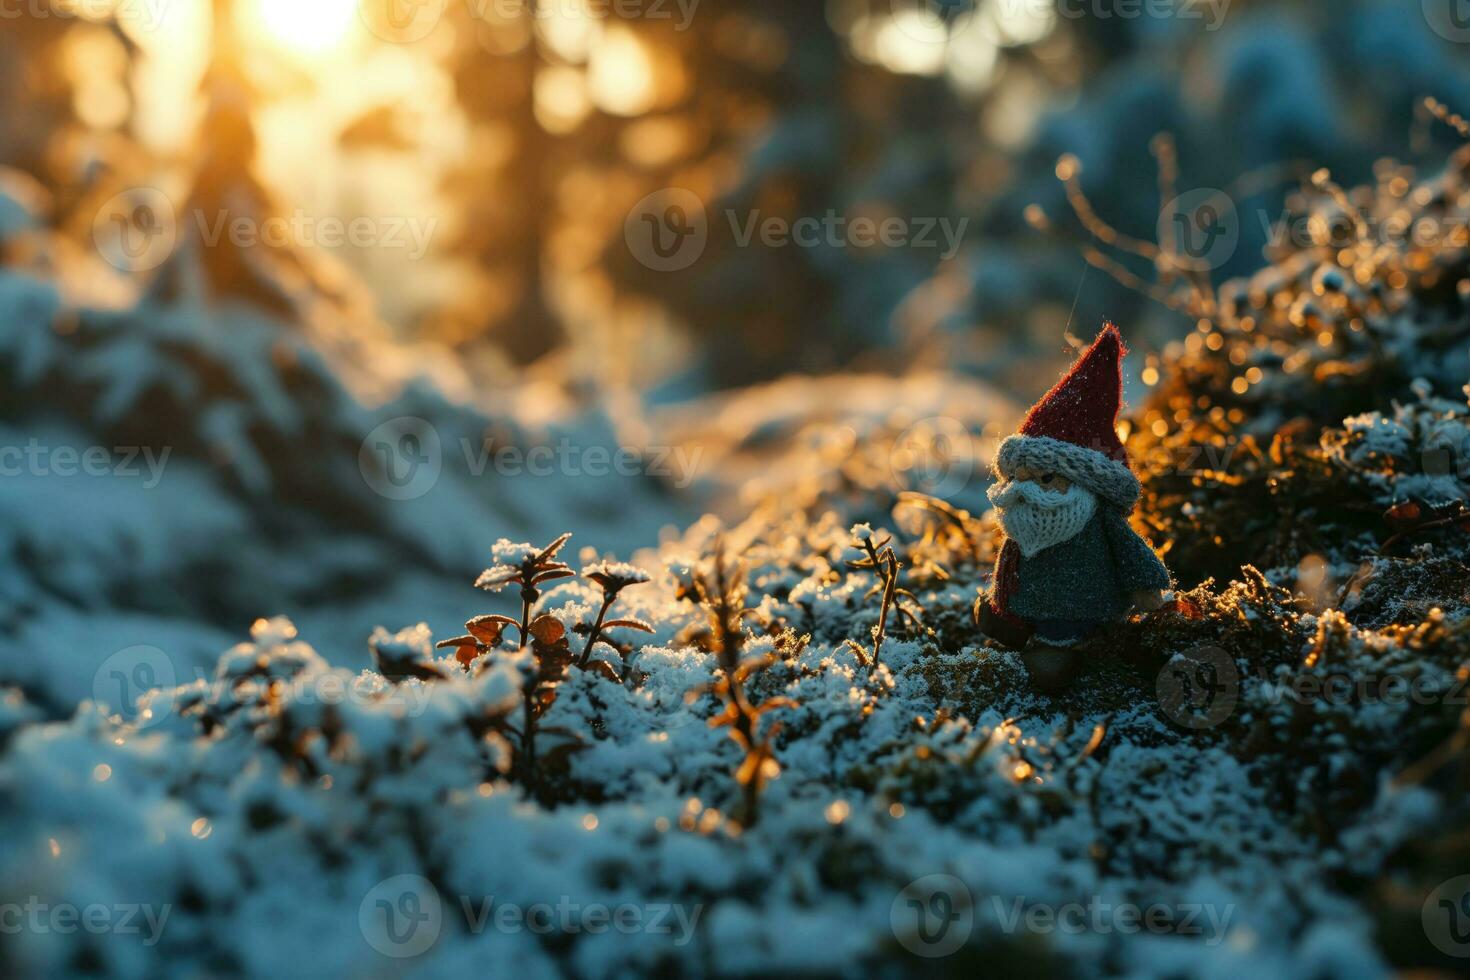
1088	577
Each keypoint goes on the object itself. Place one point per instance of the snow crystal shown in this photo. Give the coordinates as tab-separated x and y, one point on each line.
508	552
617	571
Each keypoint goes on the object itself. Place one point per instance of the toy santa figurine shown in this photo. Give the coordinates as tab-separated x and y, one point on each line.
1070	563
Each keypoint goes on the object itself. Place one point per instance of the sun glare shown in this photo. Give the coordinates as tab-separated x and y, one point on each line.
307	29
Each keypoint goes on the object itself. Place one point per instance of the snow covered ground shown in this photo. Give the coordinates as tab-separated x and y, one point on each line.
283	816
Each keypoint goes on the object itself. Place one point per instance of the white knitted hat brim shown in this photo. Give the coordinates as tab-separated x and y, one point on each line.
1098	472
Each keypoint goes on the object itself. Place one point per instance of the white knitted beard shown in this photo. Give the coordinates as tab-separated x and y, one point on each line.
1035	518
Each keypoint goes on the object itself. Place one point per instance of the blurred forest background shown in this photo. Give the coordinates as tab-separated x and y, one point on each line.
524	132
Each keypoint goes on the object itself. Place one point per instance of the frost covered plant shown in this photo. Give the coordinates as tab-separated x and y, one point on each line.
528	567
612	578
401	658
546	636
515	564
544	643
721	591
883	562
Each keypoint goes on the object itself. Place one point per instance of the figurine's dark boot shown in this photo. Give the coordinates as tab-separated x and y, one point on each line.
1052	669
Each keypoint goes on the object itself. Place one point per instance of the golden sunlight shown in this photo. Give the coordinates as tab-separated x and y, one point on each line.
305	29
621	76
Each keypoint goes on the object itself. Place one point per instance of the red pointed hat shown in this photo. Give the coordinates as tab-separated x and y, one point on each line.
1072	430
